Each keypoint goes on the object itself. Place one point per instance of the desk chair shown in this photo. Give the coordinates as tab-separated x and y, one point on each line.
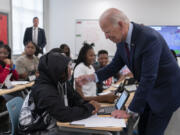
14	108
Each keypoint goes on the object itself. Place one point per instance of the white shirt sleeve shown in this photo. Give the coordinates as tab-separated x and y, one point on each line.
78	71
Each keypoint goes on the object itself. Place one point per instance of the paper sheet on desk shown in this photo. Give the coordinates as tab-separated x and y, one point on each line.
115	85
18	82
105	93
131	87
97	121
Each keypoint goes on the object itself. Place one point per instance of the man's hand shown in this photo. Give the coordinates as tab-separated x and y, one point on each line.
120	114
81	80
96	106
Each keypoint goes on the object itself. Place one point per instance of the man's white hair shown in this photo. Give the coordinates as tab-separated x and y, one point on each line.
114	15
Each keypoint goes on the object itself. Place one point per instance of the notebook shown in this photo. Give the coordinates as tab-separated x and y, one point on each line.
119	104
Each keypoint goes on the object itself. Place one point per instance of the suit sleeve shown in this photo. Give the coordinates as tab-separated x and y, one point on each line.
25	40
149	71
111	69
43	39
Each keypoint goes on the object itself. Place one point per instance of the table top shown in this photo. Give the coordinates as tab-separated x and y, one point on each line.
68	125
16	88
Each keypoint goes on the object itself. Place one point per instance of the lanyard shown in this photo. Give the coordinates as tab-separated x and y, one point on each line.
64	92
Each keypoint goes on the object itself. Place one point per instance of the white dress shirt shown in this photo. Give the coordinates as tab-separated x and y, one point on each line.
35	35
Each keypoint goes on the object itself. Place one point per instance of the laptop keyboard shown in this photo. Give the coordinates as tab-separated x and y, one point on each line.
106	110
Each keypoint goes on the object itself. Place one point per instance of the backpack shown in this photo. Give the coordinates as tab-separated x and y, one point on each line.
30	121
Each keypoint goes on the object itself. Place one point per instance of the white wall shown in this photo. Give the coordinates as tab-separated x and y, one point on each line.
5	6
63	13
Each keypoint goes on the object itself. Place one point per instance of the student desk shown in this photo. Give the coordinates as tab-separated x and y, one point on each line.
16	88
98	130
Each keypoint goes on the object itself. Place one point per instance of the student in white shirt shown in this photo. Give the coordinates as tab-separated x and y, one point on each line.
84	67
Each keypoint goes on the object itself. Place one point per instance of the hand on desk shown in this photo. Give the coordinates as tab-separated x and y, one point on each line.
120	114
109	97
96	106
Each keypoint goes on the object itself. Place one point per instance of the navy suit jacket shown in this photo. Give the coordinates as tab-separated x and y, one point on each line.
153	66
41	36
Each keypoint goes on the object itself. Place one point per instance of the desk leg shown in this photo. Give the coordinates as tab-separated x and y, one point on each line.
132	125
100	132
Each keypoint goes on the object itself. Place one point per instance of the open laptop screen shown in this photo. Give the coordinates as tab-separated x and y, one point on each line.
122	100
119	104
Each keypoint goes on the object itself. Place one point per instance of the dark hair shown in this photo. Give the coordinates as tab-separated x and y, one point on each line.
1	42
8	49
56	50
102	52
35	18
9	56
174	54
62	46
31	42
82	57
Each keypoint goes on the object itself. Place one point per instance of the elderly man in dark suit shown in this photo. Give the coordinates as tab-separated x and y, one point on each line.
148	57
36	35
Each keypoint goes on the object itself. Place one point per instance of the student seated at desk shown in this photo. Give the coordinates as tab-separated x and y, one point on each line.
6	64
66	50
6	68
84	67
103	60
27	64
52	93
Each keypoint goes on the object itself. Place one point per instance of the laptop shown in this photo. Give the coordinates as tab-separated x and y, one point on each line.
118	106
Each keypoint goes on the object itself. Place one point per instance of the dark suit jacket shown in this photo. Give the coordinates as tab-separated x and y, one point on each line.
153	66
41	37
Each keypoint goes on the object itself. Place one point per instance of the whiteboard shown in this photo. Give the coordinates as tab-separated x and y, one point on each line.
90	31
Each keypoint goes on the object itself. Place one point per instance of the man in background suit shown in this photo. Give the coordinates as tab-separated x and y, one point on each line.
148	57
36	35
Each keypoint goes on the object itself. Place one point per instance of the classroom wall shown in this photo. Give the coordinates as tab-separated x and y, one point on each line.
5	6
62	15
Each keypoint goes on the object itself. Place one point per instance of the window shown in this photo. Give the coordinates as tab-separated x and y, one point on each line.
23	12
